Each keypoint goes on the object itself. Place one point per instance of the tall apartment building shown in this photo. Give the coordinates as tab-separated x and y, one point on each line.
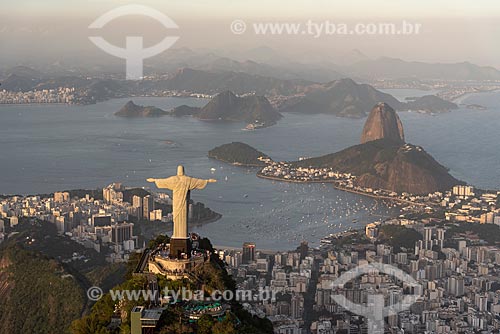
137	204
148	205
121	232
248	252
60	197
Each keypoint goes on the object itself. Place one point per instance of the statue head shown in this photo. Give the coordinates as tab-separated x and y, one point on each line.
180	170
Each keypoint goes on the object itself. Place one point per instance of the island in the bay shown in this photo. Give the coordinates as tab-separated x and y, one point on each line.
254	110
132	110
341	98
429	104
239	154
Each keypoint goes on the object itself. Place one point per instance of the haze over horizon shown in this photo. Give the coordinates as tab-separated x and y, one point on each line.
32	32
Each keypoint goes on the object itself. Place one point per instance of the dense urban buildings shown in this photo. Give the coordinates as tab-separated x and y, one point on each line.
441	243
456	272
100	224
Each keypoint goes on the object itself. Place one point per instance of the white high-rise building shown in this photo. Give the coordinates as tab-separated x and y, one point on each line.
463	191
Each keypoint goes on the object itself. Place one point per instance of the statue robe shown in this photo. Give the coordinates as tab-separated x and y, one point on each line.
180	185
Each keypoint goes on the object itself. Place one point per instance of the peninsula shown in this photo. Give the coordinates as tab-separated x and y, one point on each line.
382	162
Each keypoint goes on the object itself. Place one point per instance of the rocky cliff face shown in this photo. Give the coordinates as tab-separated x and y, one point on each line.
383	123
410	169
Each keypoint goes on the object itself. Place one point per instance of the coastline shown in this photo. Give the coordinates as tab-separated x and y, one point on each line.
40	104
237	164
334	183
202	222
93	102
274	178
378	196
460	99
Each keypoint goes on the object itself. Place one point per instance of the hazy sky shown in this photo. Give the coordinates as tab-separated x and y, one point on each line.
270	8
452	30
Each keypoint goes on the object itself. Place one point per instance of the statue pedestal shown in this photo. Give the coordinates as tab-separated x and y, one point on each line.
175	269
179	246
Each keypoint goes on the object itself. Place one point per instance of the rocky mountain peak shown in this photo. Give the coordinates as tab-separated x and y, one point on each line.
383	123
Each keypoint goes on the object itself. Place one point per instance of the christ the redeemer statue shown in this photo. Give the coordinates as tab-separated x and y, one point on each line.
181	186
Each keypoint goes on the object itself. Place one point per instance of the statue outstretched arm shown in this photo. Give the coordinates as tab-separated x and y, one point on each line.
199	183
168	183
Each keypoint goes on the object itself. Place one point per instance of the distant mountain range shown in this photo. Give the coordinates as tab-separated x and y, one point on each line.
323	68
218	81
264	62
184	79
299	83
20	78
291	71
17	83
342	97
394	68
